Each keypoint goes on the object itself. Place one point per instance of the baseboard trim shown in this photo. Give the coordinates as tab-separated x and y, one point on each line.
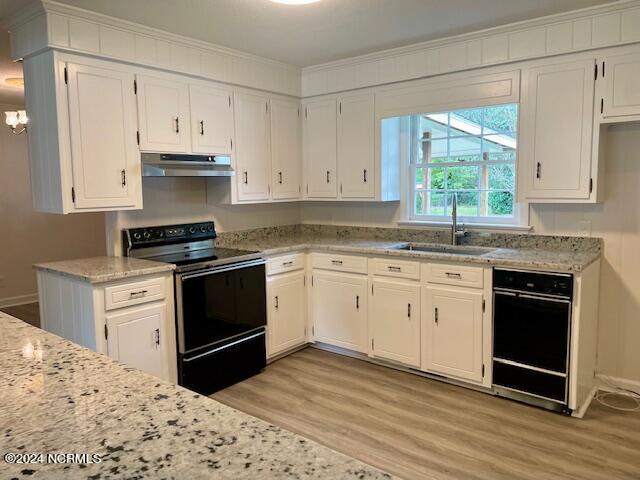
19	300
607	382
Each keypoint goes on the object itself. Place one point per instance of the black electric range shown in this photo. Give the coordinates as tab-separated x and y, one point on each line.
220	301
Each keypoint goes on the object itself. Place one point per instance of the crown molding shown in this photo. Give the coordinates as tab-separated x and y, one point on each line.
481	34
591	28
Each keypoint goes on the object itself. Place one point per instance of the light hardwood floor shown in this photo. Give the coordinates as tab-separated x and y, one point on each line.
420	428
28	312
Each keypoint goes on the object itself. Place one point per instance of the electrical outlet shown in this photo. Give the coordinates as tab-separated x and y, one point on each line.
585	227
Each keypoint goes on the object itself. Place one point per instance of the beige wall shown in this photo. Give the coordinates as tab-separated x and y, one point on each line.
28	237
617	220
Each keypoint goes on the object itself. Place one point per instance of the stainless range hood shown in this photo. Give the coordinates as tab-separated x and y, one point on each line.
176	165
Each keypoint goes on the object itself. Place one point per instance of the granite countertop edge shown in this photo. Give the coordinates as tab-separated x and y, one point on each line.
62	268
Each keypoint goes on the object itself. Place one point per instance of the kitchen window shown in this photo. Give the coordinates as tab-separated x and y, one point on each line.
470	153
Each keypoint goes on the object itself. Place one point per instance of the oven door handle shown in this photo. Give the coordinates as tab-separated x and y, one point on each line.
224	347
223	268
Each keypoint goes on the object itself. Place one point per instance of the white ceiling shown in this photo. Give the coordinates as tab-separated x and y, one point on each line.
324	31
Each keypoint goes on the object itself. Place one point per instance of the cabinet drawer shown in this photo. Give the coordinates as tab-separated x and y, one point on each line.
391	267
285	263
454	275
342	263
119	296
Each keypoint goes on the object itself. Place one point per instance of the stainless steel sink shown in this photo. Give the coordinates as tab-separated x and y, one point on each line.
449	249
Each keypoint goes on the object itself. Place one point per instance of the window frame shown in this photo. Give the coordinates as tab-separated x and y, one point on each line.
519	217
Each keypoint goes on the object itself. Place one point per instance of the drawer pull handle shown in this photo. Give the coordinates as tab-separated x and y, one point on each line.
453	275
336	262
436	315
394	269
408	310
277	303
138	294
287	264
357	302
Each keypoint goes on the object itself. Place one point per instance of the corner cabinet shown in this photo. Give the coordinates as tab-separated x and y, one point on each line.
320	149
556	126
339	309
82	134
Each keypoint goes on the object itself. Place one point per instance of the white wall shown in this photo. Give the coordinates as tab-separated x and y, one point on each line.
30	237
617	220
184	200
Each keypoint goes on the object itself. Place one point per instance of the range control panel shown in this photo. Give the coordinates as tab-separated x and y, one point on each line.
168	234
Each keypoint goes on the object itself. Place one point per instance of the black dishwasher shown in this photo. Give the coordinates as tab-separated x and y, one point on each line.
531	336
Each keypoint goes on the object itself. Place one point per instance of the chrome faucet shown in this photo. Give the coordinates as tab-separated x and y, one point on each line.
455	231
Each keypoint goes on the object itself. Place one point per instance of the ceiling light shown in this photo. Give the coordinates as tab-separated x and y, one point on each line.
295	2
15	81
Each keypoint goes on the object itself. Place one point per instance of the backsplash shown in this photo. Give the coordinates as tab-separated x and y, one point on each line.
431	235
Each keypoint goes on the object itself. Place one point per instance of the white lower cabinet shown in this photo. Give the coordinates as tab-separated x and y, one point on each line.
286	313
339	309
394	321
134	337
452	329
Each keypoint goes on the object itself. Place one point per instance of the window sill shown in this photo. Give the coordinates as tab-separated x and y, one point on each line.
468	226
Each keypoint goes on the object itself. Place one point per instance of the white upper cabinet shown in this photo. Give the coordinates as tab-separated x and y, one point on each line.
253	147
356	146
286	314
556	131
394	321
104	155
211	120
452	332
621	96
339	309
320	148
285	149
163	115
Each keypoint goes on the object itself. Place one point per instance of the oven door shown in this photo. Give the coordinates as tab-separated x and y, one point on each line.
532	330
220	304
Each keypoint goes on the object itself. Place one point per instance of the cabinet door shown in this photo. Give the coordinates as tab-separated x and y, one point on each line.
339	309
286	320
621	75
557	121
285	149
252	150
355	146
211	120
320	149
135	338
163	115
395	321
452	332
105	158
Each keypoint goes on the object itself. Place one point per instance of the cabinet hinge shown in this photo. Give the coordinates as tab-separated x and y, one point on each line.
313	331
590	185
602	105
106	331
371	289
483	370
304	280
484	305
299	188
73	194
66	76
138	137
372	343
135	87
307	189
231	143
340	189
306	112
312	280
340	108
229	101
602	69
305	331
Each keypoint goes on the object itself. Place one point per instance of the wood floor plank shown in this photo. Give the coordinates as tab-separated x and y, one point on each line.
421	428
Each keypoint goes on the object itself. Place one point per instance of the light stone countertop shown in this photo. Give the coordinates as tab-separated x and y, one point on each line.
556	260
59	397
105	269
